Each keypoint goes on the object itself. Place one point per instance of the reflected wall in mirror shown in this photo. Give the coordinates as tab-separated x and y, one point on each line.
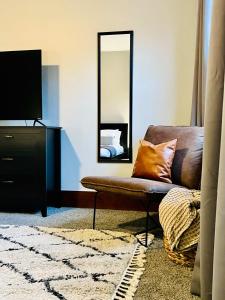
115	69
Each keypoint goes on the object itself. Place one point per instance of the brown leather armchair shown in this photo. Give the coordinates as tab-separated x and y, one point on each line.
185	171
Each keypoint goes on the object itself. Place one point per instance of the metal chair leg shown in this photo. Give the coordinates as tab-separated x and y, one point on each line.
148	217
95	200
146	228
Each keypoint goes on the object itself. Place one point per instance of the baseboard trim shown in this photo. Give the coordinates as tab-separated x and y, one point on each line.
83	199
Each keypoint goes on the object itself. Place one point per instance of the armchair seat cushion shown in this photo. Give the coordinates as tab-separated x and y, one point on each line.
137	187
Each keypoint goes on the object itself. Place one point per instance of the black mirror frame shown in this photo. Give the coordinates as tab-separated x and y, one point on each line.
130	155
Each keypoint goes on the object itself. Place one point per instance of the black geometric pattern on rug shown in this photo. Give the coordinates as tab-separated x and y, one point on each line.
58	262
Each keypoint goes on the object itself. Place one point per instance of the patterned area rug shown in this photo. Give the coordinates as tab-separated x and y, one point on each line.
52	263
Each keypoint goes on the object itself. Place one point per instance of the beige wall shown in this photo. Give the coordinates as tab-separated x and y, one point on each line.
115	86
66	31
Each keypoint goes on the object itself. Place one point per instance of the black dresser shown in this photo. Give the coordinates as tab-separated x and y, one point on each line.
30	173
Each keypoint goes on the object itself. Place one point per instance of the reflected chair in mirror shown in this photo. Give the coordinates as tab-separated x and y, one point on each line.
185	170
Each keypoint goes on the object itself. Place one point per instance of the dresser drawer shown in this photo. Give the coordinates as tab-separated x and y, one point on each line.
12	142
18	163
21	187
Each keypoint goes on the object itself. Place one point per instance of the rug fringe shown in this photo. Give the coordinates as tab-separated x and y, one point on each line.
130	279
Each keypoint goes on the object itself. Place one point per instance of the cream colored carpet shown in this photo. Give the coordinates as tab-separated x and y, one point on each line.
56	263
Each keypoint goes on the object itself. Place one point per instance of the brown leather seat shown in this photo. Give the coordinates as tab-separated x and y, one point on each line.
136	187
185	171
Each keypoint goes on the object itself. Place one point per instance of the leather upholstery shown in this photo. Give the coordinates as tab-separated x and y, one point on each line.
127	185
187	163
186	167
154	161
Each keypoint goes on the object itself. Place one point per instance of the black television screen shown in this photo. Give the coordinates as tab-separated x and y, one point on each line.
20	85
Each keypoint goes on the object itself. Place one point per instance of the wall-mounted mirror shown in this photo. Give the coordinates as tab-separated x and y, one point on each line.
115	69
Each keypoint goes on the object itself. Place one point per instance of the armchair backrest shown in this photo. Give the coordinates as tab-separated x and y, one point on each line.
187	163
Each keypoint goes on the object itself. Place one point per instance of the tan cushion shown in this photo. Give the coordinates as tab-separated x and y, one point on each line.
126	185
154	161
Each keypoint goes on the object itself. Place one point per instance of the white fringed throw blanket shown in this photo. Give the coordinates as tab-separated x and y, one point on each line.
179	215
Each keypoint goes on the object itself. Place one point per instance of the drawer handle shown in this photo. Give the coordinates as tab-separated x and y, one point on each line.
7	158
7	181
9	136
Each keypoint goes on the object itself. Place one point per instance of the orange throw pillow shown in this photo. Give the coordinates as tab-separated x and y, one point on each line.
155	161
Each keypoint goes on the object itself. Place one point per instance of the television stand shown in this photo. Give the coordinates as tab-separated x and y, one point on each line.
30	167
37	121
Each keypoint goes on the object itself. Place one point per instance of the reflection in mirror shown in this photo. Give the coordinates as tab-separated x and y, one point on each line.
115	54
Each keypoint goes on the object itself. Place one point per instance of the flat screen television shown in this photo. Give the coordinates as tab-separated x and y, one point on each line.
20	85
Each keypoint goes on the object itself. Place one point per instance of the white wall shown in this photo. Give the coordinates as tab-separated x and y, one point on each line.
66	31
116	42
115	80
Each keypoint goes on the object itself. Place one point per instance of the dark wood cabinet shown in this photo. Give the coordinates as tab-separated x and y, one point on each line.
29	167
